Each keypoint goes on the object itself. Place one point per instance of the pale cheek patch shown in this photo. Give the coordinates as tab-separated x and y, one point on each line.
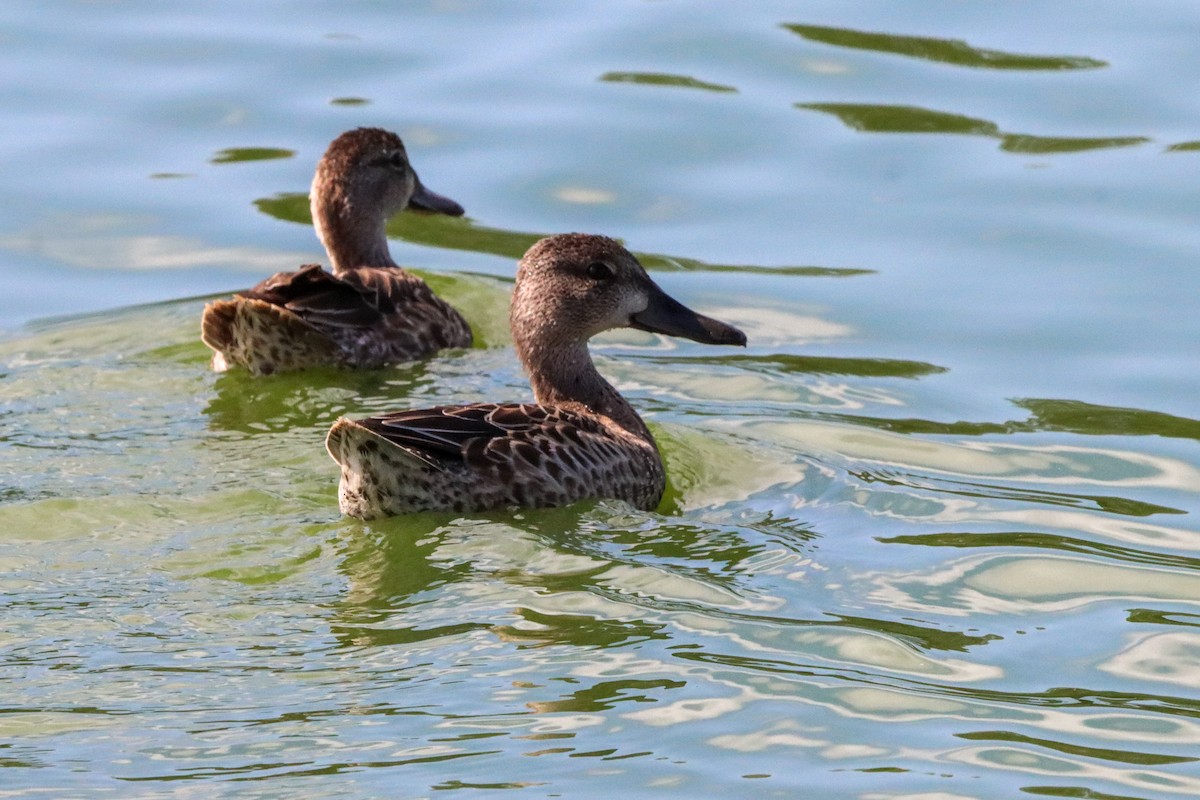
632	302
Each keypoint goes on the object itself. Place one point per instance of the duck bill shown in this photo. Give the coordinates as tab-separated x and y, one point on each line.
432	201
665	314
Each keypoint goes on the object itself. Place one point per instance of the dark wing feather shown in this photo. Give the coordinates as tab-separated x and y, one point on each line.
359	298
482	432
445	432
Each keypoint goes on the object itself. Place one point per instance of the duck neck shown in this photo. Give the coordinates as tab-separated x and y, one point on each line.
564	374
351	237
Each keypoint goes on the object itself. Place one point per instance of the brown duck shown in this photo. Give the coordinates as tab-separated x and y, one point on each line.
580	439
369	312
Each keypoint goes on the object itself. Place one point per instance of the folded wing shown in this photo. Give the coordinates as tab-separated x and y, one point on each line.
358	298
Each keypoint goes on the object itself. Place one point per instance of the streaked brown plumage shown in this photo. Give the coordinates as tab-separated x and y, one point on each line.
581	439
369	312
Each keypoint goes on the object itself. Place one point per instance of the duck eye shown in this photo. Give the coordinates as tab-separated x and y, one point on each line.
397	160
599	271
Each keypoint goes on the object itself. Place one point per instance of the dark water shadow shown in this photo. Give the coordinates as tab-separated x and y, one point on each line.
1099	753
1029	144
944	51
1035	540
578	631
608	694
234	155
1107	503
1066	416
882	118
1154	616
927	638
1077	792
871	118
1076	416
462	233
664	79
1061	698
784	363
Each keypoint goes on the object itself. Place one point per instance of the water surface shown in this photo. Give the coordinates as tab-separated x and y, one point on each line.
931	535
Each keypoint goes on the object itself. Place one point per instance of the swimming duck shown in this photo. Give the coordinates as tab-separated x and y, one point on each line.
369	312
579	439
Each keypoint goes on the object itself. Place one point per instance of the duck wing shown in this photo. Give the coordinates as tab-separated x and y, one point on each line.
358	298
484	434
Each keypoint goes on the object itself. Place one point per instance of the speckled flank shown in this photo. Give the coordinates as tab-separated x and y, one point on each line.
580	440
550	458
369	312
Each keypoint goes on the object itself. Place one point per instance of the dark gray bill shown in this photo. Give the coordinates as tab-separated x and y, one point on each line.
665	314
432	201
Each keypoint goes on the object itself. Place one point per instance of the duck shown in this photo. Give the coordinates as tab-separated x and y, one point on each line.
579	439
367	312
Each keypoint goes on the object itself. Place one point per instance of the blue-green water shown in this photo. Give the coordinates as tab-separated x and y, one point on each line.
932	535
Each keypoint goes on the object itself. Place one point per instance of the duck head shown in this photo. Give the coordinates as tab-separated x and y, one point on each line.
362	180
572	286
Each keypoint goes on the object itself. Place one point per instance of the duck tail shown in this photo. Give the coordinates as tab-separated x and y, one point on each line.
337	441
370	463
216	326
262	337
350	444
